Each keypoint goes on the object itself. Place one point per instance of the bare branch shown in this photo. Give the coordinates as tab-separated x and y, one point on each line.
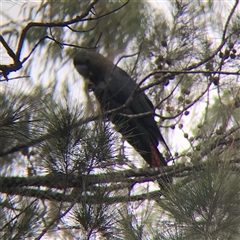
9	50
63	24
47	25
6	69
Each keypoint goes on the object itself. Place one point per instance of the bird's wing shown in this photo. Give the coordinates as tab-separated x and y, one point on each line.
121	86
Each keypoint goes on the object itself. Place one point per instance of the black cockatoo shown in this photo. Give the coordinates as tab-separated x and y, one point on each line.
112	87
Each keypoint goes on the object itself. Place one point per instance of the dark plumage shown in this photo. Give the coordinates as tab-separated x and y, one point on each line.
112	87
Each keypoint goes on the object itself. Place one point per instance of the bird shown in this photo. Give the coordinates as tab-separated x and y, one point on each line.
115	89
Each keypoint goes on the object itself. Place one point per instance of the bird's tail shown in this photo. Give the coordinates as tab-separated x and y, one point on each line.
157	160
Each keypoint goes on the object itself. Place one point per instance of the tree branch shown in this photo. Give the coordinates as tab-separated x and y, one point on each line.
6	69
56	24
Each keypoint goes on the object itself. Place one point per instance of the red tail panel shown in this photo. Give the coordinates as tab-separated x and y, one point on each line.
156	162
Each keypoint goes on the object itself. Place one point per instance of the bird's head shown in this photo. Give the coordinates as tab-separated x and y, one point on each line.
82	63
92	65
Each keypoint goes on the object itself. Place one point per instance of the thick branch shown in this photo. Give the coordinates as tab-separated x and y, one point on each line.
63	181
75	198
